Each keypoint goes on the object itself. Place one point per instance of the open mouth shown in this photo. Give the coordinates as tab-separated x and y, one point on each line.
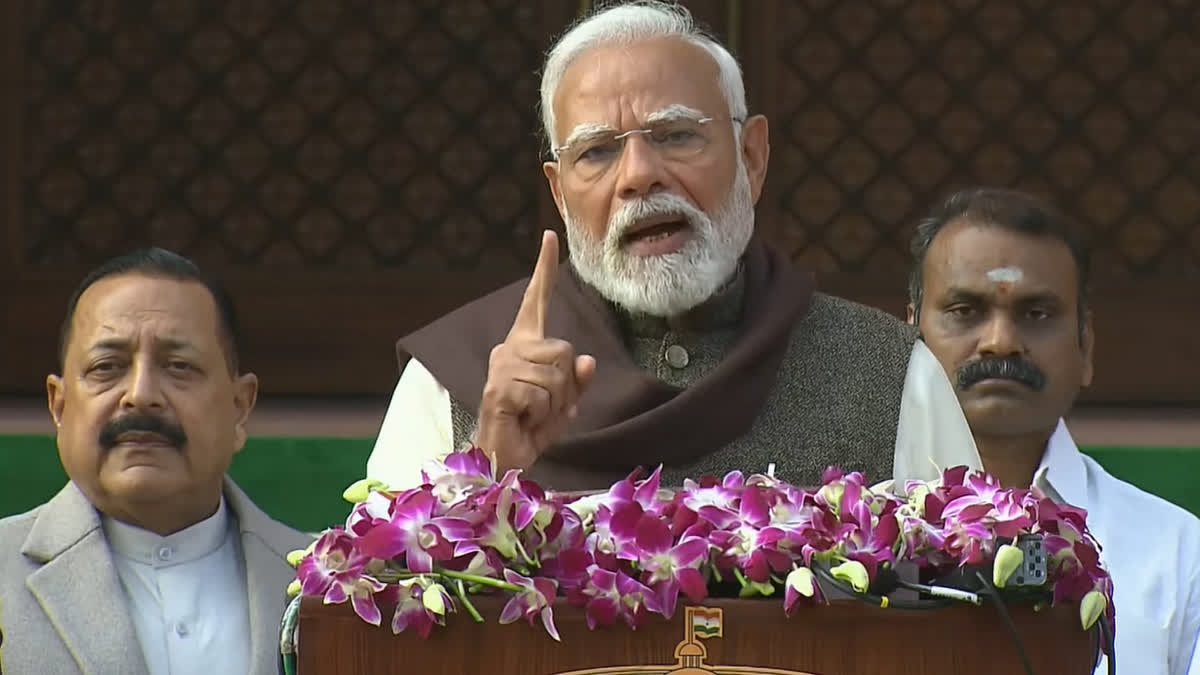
654	229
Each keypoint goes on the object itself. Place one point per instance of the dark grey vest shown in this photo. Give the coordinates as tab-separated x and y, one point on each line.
836	400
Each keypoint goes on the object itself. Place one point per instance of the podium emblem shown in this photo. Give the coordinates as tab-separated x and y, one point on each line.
700	624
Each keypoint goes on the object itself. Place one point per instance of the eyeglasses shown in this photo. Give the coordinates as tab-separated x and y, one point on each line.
593	155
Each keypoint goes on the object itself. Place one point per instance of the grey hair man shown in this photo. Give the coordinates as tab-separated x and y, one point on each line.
675	335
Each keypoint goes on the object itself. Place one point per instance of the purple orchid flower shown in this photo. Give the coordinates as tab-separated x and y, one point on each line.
565	532
615	533
420	605
459	475
968	543
376	508
633	550
873	540
645	492
671	567
722	497
335	569
415	532
536	598
496	530
570	568
800	587
616	594
747	540
482	563
919	539
1005	511
954	476
1061	519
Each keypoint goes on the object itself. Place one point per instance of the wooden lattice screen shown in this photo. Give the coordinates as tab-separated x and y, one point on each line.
356	167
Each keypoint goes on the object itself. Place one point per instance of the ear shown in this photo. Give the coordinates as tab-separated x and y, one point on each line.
1088	344
910	314
552	176
55	398
245	395
756	150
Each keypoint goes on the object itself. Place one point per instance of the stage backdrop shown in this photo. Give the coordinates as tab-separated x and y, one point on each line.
354	168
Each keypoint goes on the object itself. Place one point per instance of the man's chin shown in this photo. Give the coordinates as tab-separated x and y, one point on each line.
1003	415
142	478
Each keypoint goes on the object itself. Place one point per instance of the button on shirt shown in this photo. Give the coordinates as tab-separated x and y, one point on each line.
676	356
1151	549
187	595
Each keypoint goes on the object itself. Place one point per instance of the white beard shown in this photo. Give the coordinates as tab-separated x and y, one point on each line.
671	284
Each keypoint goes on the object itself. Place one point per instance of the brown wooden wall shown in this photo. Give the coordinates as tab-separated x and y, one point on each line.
354	168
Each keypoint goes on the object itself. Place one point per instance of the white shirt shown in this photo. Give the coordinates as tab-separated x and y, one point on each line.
932	433
187	595
1151	549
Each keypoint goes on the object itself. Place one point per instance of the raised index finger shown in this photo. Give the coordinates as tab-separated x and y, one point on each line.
531	315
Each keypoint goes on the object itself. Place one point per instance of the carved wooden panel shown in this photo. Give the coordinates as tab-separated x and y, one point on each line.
352	167
882	107
355	168
879	108
278	133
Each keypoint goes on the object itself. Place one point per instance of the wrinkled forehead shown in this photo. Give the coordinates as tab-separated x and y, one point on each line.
134	307
623	87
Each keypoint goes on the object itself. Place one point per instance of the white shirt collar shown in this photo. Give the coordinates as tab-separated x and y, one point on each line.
186	545
1062	475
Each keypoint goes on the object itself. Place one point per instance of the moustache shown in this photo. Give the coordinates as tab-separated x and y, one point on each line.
1002	368
662	203
139	422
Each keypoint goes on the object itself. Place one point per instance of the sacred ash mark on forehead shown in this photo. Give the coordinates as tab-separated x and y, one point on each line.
1005	275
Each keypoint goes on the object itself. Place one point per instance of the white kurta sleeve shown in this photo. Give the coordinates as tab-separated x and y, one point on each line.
932	433
416	428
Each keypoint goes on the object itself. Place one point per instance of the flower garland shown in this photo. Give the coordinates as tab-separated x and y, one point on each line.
633	551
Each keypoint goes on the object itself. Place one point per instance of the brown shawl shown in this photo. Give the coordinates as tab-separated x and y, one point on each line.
627	417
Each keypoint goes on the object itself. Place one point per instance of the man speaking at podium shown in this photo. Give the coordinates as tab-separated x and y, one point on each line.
676	335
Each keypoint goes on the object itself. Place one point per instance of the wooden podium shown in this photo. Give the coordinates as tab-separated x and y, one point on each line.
846	637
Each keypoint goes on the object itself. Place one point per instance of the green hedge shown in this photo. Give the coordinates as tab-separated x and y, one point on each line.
297	480
300	480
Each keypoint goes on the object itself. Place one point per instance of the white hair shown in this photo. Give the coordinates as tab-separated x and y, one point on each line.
625	24
671	284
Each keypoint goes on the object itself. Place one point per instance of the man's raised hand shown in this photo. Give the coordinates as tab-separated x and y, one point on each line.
534	382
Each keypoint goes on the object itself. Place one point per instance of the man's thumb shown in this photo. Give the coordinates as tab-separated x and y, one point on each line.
585	368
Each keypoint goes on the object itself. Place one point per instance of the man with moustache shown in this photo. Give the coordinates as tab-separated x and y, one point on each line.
676	335
150	560
999	291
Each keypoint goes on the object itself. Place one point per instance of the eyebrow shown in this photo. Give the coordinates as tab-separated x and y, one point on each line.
586	132
674	113
591	130
122	344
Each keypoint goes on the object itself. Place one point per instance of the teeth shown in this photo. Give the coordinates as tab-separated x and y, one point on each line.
656	232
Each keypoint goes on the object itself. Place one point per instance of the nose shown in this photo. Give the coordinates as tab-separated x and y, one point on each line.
143	391
1001	337
640	169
